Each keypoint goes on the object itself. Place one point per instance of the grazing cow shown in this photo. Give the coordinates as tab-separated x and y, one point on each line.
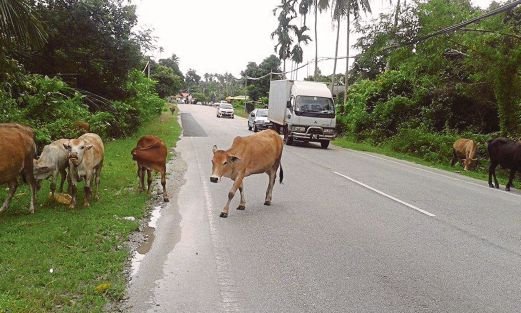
54	160
17	150
150	154
172	109
254	154
465	151
507	154
85	162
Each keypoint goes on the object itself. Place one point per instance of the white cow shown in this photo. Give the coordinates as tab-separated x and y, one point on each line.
54	160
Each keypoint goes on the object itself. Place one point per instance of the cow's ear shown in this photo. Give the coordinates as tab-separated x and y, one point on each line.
214	148
87	147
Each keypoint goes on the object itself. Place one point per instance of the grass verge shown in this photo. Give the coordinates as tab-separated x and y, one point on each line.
481	172
72	260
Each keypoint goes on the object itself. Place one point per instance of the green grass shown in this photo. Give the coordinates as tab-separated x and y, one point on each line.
481	172
84	247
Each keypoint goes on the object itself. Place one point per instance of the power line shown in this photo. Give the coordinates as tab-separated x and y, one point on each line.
442	31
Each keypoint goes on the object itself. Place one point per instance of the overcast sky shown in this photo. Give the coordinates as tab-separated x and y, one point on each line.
223	36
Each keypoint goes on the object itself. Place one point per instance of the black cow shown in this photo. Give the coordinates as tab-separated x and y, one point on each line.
506	153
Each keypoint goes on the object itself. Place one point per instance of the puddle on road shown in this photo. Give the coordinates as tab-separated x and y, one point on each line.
144	247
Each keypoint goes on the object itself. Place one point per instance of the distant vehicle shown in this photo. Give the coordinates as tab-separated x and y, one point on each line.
258	120
225	110
302	110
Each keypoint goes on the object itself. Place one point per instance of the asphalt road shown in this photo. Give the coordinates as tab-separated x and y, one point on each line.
346	232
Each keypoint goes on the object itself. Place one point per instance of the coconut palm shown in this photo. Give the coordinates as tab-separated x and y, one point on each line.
19	26
352	7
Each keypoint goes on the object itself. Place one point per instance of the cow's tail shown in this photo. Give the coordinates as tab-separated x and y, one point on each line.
281	174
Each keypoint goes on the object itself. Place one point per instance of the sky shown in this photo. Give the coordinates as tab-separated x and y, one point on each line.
224	36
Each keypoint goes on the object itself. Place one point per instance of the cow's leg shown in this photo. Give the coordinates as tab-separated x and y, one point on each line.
63	176
242	205
272	177
53	185
98	178
454	158
32	185
149	180
236	184
87	189
12	189
511	178
163	183
492	173
141	177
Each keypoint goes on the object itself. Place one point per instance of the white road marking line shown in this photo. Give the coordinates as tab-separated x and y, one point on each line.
385	195
439	174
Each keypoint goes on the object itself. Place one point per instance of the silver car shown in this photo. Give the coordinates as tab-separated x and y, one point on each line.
258	120
225	109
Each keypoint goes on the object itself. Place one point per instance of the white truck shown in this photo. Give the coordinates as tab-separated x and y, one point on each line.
302	110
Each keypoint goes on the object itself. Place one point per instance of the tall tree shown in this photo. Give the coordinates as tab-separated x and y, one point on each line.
354	7
19	26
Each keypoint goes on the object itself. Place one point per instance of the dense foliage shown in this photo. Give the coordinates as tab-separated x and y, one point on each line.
419	98
85	69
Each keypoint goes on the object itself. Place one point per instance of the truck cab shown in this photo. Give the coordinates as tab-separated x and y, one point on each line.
303	111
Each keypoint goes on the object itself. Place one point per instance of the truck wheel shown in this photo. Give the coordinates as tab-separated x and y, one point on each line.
324	144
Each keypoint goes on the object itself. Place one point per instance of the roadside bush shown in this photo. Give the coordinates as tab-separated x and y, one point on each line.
433	147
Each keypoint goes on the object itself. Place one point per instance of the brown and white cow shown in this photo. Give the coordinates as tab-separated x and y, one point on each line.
254	154
17	150
150	154
86	155
54	160
465	151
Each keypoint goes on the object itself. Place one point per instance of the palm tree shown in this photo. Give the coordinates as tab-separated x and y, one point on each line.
297	54
338	12
19	26
286	15
320	5
352	6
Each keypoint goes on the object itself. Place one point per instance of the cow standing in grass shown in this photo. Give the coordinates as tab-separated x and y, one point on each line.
254	154
150	154
465	150
17	151
86	155
53	161
506	153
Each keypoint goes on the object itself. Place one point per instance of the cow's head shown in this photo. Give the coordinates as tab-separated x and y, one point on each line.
40	170
470	163
76	149
223	164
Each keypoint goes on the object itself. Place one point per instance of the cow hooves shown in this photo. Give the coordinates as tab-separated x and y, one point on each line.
267	202
241	207
491	186
224	215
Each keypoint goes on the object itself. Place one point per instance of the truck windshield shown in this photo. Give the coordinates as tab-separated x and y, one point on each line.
314	106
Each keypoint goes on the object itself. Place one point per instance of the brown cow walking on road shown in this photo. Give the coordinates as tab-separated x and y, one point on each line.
254	154
85	162
150	154
16	158
465	151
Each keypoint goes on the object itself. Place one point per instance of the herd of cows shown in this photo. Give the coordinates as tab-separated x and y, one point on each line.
75	160
81	159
